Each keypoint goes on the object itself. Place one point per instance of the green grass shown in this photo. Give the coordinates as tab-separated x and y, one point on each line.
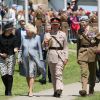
4	98
71	74
96	96
72	46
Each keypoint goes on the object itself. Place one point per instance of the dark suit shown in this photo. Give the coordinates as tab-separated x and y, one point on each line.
18	34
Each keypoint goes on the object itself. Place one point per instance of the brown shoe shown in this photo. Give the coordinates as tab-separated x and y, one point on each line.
83	93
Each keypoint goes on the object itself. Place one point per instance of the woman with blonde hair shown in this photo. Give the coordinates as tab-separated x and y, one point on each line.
31	56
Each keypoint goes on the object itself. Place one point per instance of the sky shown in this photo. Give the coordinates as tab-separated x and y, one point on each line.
90	8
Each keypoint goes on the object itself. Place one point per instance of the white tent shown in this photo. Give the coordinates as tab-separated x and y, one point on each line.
87	2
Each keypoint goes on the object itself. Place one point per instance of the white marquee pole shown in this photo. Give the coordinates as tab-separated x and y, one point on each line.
65	4
26	11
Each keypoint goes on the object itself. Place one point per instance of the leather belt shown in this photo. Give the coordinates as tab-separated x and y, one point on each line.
56	48
87	46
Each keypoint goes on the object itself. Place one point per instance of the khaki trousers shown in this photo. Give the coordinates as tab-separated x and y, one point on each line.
88	73
56	74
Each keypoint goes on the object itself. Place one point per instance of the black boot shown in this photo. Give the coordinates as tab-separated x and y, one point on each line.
5	82
55	94
83	93
91	90
58	93
49	75
10	83
42	81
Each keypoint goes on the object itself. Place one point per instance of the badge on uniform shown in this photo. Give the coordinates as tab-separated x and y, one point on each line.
92	36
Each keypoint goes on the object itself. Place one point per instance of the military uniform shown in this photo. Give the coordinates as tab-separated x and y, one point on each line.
64	23
94	21
87	45
94	24
38	19
56	56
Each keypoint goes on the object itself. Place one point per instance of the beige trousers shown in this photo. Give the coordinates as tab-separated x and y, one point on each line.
56	74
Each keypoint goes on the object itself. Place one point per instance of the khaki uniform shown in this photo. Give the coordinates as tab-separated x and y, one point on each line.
94	21
38	20
87	57
64	27
64	23
56	57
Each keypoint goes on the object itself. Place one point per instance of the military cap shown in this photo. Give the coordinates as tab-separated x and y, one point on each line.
55	20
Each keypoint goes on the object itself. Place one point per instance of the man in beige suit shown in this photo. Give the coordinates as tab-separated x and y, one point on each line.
57	54
88	39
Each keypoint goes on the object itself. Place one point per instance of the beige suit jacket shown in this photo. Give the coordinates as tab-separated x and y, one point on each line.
53	55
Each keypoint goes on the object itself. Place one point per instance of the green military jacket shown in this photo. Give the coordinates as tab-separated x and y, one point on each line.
85	49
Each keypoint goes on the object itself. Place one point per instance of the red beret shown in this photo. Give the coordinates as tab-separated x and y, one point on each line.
88	13
55	20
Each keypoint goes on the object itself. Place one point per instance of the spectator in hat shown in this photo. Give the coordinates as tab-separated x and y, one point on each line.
20	15
57	54
21	30
73	5
8	48
31	56
12	13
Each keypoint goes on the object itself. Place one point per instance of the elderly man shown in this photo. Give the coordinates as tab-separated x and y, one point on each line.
57	54
87	44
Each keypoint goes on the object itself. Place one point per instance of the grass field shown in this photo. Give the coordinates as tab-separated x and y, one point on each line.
96	96
71	74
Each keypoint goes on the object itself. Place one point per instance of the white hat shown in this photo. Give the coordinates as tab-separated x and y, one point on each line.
73	0
14	5
31	28
84	18
21	18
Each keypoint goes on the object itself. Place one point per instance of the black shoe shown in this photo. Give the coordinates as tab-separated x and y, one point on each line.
55	94
8	94
42	81
83	93
50	81
58	93
91	91
97	80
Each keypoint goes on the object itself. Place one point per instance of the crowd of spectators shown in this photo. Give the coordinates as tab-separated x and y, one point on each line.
40	18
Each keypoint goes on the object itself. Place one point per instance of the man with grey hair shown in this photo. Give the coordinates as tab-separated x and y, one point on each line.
87	41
